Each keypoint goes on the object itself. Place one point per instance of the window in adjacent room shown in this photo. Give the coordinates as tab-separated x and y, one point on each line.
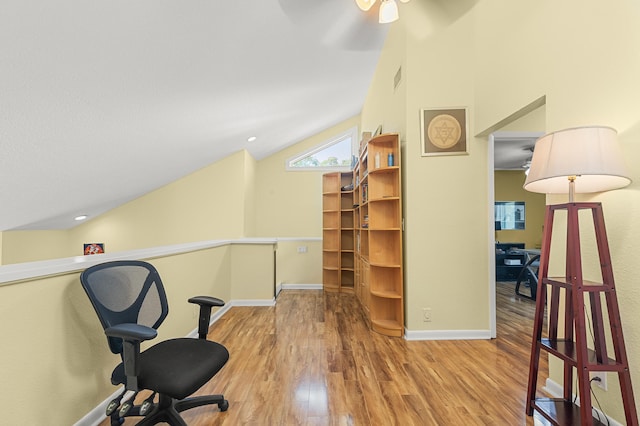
335	154
509	215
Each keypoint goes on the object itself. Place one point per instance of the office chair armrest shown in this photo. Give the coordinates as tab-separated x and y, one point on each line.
131	335
131	331
206	300
206	303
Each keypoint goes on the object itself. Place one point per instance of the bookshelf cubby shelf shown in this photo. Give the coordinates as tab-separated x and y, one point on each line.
369	234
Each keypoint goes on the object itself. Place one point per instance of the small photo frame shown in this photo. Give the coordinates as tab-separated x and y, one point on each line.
444	131
93	248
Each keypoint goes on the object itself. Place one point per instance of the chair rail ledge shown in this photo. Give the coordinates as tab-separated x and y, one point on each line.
15	273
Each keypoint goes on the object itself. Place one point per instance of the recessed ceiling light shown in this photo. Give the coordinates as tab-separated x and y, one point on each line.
251	139
81	217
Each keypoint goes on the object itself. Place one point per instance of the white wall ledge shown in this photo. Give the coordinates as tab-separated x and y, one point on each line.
30	270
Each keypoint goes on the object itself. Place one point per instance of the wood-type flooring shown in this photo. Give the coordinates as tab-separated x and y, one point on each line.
311	360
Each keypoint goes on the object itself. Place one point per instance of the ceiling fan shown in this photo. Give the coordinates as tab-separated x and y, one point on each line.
336	23
388	9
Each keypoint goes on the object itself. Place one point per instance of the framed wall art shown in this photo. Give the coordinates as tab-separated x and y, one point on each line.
443	131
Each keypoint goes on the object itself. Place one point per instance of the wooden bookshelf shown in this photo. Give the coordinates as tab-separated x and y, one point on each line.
384	209
331	231
369	234
338	232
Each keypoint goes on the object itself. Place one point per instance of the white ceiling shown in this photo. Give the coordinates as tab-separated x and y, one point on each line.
102	101
512	150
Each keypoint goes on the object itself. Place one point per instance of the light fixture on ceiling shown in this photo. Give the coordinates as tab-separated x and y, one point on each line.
365	4
251	138
388	9
527	164
81	217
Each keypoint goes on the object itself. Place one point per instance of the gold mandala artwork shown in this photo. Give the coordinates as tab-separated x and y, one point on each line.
444	131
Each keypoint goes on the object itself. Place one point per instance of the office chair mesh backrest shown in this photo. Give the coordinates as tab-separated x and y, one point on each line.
126	292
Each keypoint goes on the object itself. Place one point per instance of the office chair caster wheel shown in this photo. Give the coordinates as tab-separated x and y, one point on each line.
224	405
124	409
112	407
146	407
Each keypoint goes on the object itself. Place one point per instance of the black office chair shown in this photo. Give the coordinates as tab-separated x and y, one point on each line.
529	277
130	301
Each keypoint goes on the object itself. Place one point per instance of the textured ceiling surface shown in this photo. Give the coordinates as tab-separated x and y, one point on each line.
513	150
103	101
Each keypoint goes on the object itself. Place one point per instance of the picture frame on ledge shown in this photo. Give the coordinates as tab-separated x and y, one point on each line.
444	131
93	248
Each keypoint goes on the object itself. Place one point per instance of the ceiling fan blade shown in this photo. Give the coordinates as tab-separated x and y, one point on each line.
336	23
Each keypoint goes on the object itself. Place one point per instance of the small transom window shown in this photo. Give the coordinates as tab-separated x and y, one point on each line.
334	154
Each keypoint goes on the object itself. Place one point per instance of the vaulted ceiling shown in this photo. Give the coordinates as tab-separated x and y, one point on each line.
103	101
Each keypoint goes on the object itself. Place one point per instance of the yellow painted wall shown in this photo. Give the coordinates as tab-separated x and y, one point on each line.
57	341
299	268
584	62
235	197
288	203
22	246
580	55
205	205
249	205
250	266
215	202
534	121
508	187
445	198
579	58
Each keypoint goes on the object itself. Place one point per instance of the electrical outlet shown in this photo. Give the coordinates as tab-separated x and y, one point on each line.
426	314
599	378
302	249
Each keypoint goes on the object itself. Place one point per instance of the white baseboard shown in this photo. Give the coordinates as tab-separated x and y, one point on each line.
447	334
302	286
556	391
253	302
280	286
553	388
97	415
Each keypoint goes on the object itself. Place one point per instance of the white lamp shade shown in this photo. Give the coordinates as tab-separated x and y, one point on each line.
365	4
388	11
592	154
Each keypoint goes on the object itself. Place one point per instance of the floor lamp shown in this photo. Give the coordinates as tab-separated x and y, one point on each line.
577	160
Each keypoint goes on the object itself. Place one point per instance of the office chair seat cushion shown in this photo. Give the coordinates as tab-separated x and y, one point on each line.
177	367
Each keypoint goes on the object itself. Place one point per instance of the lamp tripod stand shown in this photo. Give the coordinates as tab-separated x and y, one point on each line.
570	344
590	159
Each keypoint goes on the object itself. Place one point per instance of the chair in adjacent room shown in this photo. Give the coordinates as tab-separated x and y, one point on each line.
131	303
528	277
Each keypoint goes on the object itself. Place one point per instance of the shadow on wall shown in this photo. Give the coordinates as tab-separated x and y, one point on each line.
85	345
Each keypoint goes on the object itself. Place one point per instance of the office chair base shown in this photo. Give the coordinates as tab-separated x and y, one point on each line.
168	410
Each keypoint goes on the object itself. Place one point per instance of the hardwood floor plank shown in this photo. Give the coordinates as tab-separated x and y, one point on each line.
312	360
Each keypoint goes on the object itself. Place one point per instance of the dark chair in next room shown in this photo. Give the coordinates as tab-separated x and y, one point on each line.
528	277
